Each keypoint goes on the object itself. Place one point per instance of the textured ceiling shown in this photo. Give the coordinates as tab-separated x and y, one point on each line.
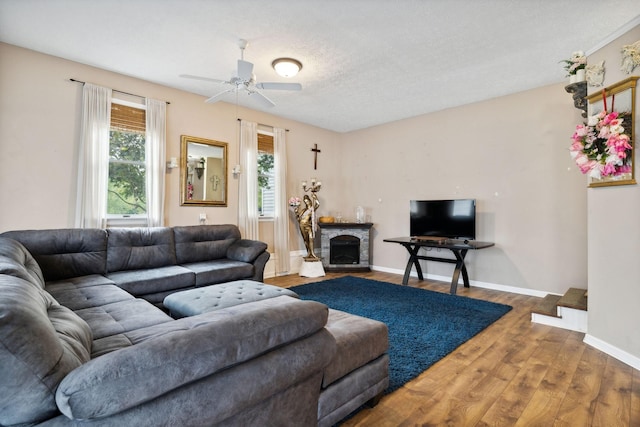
365	62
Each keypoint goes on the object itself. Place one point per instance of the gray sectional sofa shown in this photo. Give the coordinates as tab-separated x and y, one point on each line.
85	340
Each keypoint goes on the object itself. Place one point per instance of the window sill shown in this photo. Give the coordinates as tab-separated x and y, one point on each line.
127	222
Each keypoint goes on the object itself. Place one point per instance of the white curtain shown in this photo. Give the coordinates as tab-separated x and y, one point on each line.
93	158
281	220
155	160
248	194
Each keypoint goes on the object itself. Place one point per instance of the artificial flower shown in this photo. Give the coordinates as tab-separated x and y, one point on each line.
601	148
294	202
577	61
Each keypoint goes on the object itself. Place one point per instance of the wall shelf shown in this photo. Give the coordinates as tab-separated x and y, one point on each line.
579	92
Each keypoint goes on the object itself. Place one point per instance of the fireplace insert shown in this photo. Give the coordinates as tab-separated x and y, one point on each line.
344	249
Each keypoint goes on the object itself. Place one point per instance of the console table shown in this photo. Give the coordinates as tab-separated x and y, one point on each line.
458	247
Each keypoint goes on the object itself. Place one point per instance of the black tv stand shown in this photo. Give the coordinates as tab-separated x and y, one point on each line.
458	247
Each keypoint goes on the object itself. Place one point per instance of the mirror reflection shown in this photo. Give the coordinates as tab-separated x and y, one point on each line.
203	172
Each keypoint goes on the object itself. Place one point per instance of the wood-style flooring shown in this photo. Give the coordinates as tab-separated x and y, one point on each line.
514	373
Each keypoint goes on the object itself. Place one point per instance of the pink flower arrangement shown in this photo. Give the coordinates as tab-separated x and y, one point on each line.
600	147
294	202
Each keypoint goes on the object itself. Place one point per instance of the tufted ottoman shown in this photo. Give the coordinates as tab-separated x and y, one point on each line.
359	372
215	297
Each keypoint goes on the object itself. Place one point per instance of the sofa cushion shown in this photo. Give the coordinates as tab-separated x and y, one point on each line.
197	243
153	280
77	298
65	253
246	250
16	260
122	316
219	271
140	248
40	343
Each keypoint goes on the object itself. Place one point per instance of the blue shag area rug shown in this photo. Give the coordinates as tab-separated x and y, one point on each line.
424	326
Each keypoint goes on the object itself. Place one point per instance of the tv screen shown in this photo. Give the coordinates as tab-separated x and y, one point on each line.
453	219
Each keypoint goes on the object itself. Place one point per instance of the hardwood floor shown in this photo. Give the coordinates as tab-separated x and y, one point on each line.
514	373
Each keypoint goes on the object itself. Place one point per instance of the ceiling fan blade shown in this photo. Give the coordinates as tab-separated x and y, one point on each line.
261	98
216	98
245	70
279	86
206	79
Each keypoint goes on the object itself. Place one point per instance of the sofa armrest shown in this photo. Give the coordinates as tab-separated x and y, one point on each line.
259	265
246	250
207	344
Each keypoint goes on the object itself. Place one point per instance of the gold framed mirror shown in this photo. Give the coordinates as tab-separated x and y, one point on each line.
203	172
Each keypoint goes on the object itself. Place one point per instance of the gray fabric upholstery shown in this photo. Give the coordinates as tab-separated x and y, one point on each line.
219	271
140	248
16	260
65	253
352	391
358	339
204	242
152	280
40	343
211	298
209	343
246	250
360	368
282	409
122	316
142	261
86	291
259	265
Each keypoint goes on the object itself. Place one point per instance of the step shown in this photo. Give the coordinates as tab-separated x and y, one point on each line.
574	298
548	306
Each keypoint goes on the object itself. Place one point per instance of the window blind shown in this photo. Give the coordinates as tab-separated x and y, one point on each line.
126	118
265	143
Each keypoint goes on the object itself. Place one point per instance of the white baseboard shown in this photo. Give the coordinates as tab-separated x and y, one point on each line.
494	286
613	351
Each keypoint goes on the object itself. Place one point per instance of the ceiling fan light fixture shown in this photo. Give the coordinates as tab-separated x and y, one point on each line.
286	67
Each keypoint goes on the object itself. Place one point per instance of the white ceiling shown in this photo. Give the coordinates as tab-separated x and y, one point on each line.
365	62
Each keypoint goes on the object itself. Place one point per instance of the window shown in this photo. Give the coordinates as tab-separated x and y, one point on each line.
126	195
266	177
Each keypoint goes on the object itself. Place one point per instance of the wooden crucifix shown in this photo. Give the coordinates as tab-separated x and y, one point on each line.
315	156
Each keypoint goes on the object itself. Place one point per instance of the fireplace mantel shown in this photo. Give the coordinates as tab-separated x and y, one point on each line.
360	230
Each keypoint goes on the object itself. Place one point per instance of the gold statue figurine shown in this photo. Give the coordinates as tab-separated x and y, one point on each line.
306	216
306	220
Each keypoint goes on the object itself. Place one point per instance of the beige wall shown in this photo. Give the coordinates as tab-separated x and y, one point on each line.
614	238
510	153
39	127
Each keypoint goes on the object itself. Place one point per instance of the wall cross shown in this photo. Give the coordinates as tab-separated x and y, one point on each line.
315	156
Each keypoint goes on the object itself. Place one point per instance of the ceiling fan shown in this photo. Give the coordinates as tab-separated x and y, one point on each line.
245	81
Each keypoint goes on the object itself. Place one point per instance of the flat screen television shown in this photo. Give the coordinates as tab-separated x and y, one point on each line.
452	219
